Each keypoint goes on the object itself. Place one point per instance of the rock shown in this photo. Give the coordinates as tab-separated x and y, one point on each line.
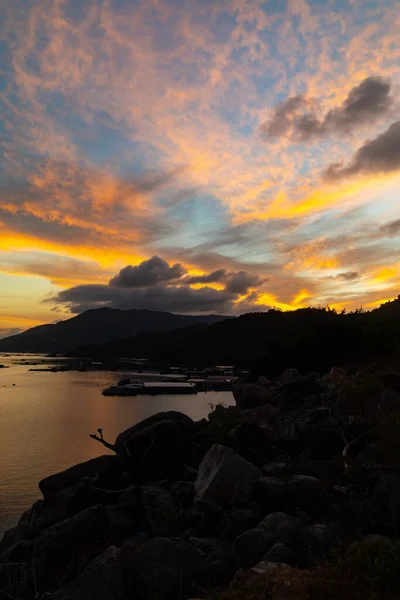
205	545
238	521
190	473
183	492
224	478
15	582
251	546
250	441
123	522
279	553
319	434
283	429
104	471
290	374
100	580
284	525
266	568
157	446
161	567
320	536
160	509
295	389
219	572
269	492
84	529
305	491
18	553
12	536
248	395
62	551
262	415
130	498
274	468
371	540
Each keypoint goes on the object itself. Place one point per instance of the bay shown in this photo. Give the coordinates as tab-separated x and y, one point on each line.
46	419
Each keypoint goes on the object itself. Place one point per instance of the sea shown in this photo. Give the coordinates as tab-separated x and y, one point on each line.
46	419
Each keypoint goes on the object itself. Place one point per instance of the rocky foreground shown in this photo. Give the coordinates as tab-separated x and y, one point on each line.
301	469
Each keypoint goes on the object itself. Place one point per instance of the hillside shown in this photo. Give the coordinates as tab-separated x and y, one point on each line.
308	339
98	326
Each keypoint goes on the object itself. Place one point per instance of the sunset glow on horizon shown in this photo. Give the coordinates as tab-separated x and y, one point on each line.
197	157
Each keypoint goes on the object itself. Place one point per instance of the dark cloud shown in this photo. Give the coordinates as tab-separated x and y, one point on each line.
150	272
156	285
239	283
348	276
390	229
365	103
281	120
166	298
380	155
213	277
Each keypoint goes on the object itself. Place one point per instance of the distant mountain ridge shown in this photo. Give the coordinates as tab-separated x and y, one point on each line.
309	339
99	326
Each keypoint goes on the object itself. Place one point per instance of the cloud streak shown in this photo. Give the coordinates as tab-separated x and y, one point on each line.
296	117
380	155
131	130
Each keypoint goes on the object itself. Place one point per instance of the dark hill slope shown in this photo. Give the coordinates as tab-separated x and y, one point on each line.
98	326
309	339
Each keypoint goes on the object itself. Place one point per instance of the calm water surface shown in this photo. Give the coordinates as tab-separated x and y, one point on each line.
46	418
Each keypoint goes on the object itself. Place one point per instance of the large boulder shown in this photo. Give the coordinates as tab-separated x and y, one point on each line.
84	528
224	478
100	580
305	491
269	492
296	388
160	509
31	524
156	447
320	434
238	521
251	546
285	526
81	486
104	471
250	441
279	553
161	567
249	395
64	547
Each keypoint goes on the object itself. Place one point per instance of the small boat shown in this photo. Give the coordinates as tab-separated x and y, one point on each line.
151	388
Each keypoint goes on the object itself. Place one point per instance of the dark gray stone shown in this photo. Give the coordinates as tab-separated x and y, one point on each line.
321	536
104	471
86	528
101	580
205	545
269	492
284	525
183	492
130	498
161	567
224	478
279	553
251	546
305	491
238	521
160	509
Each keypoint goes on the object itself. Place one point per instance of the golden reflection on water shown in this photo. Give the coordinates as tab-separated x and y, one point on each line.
46	418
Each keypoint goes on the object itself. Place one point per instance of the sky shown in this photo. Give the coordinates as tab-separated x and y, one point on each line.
219	156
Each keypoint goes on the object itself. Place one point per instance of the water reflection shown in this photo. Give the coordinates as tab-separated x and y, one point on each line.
46	418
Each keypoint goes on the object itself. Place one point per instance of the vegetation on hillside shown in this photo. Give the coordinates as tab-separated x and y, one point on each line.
309	339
